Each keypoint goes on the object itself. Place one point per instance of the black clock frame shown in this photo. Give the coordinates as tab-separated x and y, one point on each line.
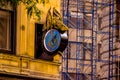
61	47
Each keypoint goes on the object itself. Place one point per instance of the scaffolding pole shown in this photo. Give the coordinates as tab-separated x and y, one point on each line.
111	36
94	39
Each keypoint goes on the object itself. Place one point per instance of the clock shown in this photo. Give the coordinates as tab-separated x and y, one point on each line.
54	41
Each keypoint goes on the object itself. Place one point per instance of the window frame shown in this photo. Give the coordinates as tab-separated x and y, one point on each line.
13	32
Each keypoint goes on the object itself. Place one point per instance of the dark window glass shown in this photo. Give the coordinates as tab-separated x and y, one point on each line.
99	48
38	40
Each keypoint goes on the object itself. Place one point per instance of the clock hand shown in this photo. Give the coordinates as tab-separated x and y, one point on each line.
53	39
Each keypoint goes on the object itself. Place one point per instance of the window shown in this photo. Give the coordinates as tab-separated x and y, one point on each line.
87	47
38	40
74	76
69	51
72	50
7	31
99	22
118	29
84	50
117	70
117	21
99	48
118	1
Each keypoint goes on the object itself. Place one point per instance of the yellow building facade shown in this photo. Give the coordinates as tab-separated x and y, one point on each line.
23	63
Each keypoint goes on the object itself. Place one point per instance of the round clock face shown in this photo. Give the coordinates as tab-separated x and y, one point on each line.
52	40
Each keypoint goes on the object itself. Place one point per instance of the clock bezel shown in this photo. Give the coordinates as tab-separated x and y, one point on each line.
45	46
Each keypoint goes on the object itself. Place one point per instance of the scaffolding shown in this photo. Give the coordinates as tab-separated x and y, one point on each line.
92	24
